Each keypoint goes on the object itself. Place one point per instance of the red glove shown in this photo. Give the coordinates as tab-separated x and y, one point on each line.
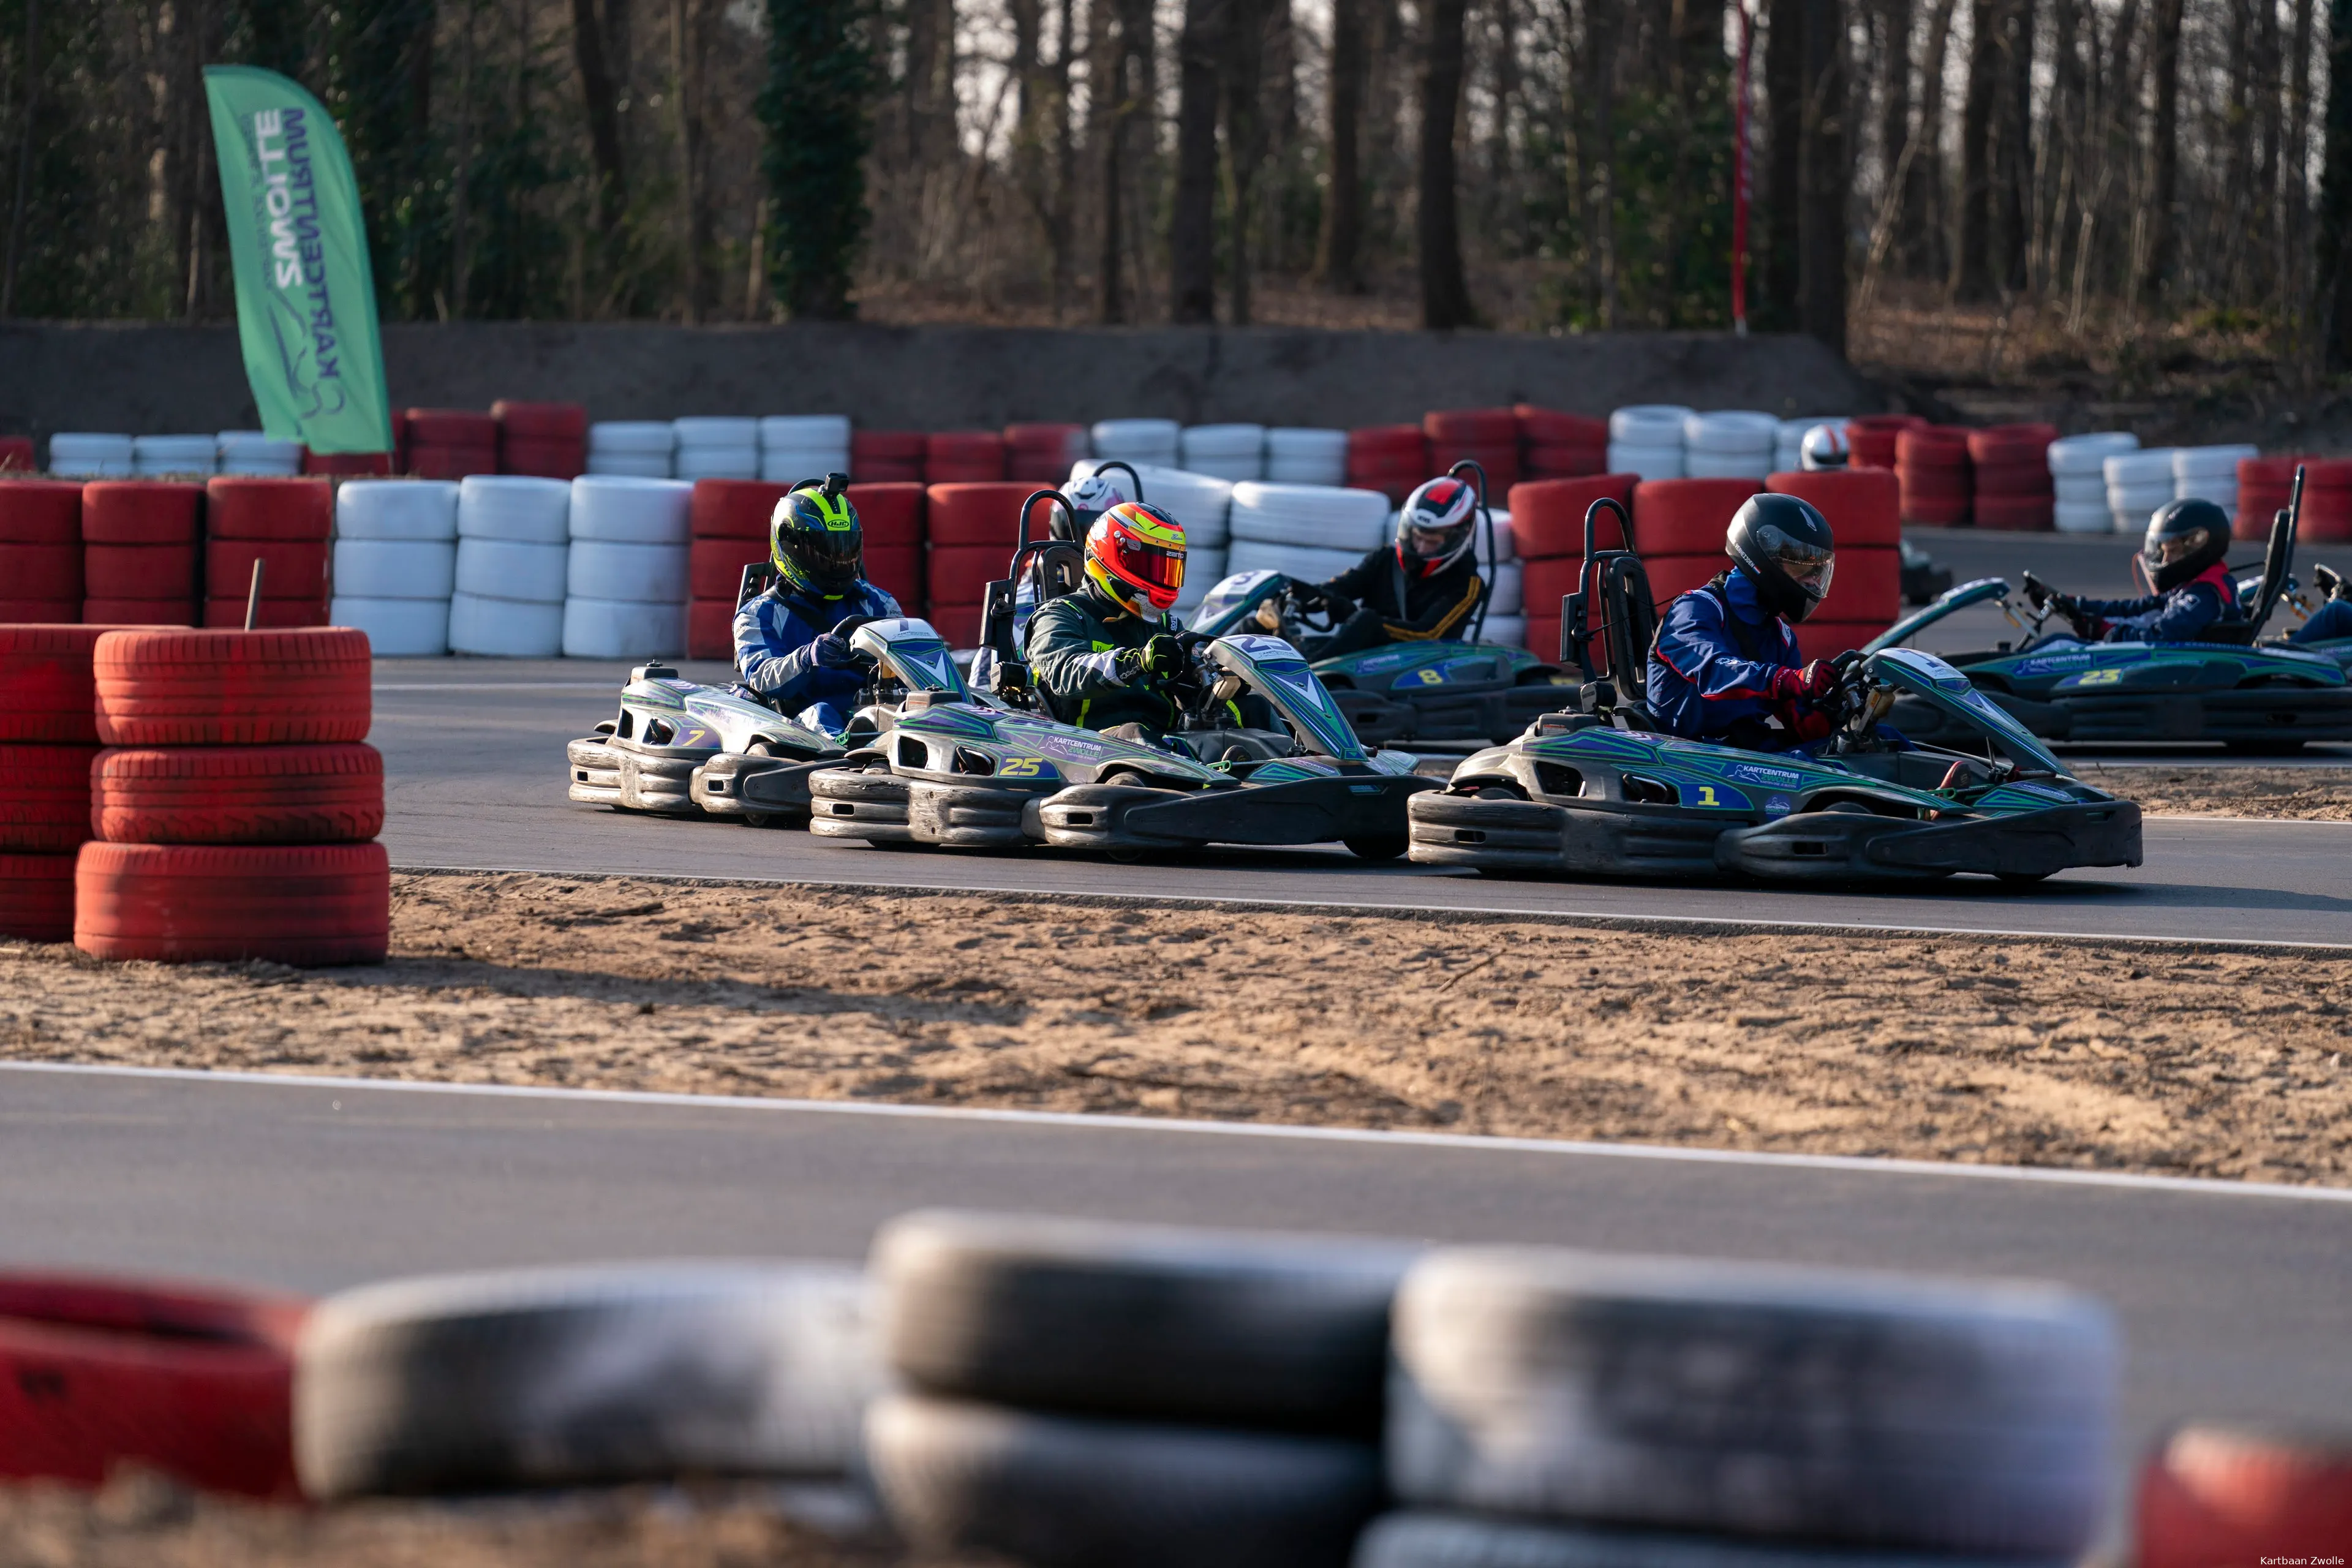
1806	723
1813	682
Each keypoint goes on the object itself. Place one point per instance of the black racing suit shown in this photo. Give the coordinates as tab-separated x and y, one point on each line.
1396	603
1074	646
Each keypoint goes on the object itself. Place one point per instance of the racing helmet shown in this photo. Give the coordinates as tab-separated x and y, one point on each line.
1135	558
1435	525
1783	547
2184	538
1824	450
814	539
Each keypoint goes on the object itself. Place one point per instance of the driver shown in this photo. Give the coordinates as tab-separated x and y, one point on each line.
2333	618
1824	450
1106	655
1725	666
1421	589
786	650
2194	591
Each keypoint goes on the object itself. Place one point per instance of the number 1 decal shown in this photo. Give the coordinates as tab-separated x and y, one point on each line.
1706	795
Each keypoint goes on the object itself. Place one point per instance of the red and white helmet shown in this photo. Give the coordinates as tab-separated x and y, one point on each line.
1436	525
1824	449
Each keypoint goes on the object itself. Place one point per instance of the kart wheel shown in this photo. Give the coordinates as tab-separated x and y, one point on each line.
1380	846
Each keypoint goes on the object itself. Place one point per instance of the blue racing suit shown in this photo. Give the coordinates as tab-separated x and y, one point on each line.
2184	614
2331	621
1719	666
776	654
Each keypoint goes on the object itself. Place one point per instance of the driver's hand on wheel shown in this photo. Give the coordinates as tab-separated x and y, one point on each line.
1164	657
833	652
1338	606
1812	682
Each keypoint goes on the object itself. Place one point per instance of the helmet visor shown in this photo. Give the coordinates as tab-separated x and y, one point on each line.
1152	565
1431	544
1809	566
2165	551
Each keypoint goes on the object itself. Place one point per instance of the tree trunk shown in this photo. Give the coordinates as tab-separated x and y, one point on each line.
1444	291
2164	148
1110	287
2335	249
1602	39
1783	203
687	38
1340	241
1895	110
929	111
1191	218
2294	187
1931	184
2014	165
1063	212
1245	139
24	180
603	116
461	176
1972	256
1823	177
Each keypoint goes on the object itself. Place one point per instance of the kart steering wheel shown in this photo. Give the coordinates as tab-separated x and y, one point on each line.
1309	608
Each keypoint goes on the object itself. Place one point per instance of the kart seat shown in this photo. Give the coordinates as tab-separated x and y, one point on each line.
758	578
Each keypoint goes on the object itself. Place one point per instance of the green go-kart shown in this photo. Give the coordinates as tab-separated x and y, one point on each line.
1601	791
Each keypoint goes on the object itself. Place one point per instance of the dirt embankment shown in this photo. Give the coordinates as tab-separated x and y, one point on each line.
2318	794
2122	1056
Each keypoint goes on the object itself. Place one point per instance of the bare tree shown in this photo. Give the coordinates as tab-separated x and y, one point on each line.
1784	98
596	91
689	44
2334	257
2164	148
1191	220
1444	290
1602	35
1824	177
1340	240
1245	138
1972	251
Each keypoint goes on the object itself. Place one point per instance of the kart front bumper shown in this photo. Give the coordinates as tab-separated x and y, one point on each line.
1608	839
678	781
2243	715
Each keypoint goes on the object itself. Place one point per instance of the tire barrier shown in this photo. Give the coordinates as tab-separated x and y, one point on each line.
256	454
284	526
307	905
573	1377
1733	444
37	896
235	794
446	443
87	455
41	551
1391	458
2078	480
1307	517
513	543
727	521
42	790
395	563
49	687
2209	473
2015	489
1557	445
637	448
153	457
1301	456
2265	485
1753	1401
886	457
1788	440
1871	438
166	688
1202	502
1931	462
1862	506
1686	517
1647	439
716	448
1159	442
1229	452
195	1383
1490	437
972	530
2213	1494
803	447
139	552
2137	483
963	458
17	454
543	440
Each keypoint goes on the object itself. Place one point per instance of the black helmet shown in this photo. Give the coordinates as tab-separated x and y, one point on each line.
1783	547
2184	537
815	540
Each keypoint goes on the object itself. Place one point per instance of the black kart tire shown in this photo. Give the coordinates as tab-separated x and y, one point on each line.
1385	847
1056	1491
1465	1541
1219	1328
1753	1400
573	1377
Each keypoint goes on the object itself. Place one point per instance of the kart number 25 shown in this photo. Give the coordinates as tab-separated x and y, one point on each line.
1022	768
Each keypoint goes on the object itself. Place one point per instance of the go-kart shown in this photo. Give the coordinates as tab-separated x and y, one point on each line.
682	749
2249	695
1261	755
1602	791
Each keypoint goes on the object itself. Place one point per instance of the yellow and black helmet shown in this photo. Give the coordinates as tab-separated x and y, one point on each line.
815	540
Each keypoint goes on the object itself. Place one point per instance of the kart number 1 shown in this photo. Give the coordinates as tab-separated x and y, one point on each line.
1706	795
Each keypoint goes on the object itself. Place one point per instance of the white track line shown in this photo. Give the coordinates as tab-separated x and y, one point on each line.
1472	1143
1376	906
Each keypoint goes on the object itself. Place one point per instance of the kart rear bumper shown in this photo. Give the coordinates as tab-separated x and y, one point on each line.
1609	839
603	771
732	785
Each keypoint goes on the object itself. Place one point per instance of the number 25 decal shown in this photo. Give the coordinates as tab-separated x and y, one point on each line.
1021	768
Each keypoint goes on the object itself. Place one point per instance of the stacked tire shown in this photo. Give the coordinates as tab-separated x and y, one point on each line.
251	454
1159	442
1075	1392
2013	487
2265	485
963	458
48	738
90	455
721	447
1488	436
1042	454
281	525
1390	458
2209	473
1228	452
1789	442
513	544
180	456
42	556
139	552
1305	531
1730	444
1646	438
397	563
448	443
1504	621
797	447
1557	445
1938	482
1299	455
237	804
633	449
886	457
544	440
1551	1409
1864	510
971	529
728	520
2079	482
1873	439
892	516
2139	482
1547	537
1678	530
625	581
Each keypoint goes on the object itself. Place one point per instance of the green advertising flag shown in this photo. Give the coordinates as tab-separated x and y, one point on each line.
305	296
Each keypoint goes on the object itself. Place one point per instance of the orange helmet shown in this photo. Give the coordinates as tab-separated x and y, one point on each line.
1135	555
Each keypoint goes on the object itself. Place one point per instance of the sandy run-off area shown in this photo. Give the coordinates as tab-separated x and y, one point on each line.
2124	1056
2318	794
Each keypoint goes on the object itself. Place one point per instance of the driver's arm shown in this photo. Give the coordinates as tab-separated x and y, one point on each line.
1694	643
1063	655
2181	616
1356	583
775	653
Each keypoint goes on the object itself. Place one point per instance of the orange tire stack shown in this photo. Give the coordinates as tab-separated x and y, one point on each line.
284	523
1547	537
139	552
48	735
235	805
40	550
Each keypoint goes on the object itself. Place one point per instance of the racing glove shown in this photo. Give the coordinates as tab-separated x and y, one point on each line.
833	652
1810	684
1164	657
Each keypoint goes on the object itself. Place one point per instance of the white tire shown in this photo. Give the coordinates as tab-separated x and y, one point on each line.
1307	457
1198	501
257	447
573	1377
632	511
397	628
630	465
1112	437
790	465
1753	1399
1506	595
396	568
724	431
505	628
2089	454
1649	425
2208	463
413	509
620	629
511	507
1729	431
90	446
507	569
1726	465
175	454
2223	493
2085	489
716	463
823	430
1658	462
2139	469
1306	564
634	437
2085	516
646	574
1231	452
259	468
1506	547
1503	631
1310	516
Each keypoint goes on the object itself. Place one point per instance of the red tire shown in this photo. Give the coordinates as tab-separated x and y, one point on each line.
885	446
1547	462
237	794
1543	583
232	688
354	465
2269	473
104	614
1550	428
1862	506
2215	1495
307	905
1872	438
141	511
975	514
1501	464
272	614
909	471
1543	638
48	689
450	427
733	509
897	571
139	570
40	511
45	799
1386	440
892	514
960	574
714	567
542	459
39	612
958	624
2004	444
2015	478
710	628
1827	640
1472	426
36	898
268	508
290	569
1547	515
17	454
964	456
1868	585
540	421
1672	576
451	462
1683	517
